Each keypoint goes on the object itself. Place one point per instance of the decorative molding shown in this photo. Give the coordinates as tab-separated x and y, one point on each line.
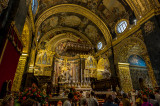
130	46
119	34
125	77
138	34
149	27
63	29
19	73
79	10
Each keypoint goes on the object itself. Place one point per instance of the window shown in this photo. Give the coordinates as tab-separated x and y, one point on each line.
99	45
34	6
121	26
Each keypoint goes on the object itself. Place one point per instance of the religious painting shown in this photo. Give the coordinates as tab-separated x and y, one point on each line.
103	69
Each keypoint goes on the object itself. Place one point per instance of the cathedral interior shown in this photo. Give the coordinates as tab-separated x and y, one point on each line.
87	44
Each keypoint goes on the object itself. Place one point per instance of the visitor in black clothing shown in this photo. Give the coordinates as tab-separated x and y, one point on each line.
109	101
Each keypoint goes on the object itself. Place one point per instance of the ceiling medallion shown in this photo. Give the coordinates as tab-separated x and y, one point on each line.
149	27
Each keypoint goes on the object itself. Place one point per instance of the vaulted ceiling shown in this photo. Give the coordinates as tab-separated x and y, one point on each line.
79	21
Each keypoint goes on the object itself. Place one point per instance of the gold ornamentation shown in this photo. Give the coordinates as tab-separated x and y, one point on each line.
125	77
3	5
151	72
103	69
19	73
52	44
26	36
149	27
141	7
31	17
132	46
139	35
26	39
91	65
118	34
76	9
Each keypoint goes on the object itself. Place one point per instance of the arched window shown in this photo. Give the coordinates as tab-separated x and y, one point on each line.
121	26
99	45
136	60
34	6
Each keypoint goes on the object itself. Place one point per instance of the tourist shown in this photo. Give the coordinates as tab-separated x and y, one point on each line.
83	100
130	97
152	100
157	96
145	102
139	100
92	101
87	96
125	100
69	101
133	96
29	102
117	101
82	94
8	100
109	101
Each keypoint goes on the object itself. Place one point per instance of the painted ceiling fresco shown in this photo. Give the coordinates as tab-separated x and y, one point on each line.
109	11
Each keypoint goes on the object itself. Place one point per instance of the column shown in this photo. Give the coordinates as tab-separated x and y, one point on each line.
19	73
125	77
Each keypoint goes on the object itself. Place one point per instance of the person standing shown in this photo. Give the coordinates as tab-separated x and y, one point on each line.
92	101
125	100
109	101
152	100
133	96
145	102
157	96
69	101
8	100
139	100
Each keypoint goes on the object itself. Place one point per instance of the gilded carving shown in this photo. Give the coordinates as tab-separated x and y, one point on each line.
75	9
103	69
125	78
3	5
26	36
26	39
49	35
19	73
139	35
132	46
141	7
149	27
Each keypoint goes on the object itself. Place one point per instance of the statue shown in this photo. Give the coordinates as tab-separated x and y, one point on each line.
117	88
44	87
106	73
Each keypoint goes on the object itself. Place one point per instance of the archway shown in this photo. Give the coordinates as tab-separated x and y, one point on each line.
133	46
139	72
